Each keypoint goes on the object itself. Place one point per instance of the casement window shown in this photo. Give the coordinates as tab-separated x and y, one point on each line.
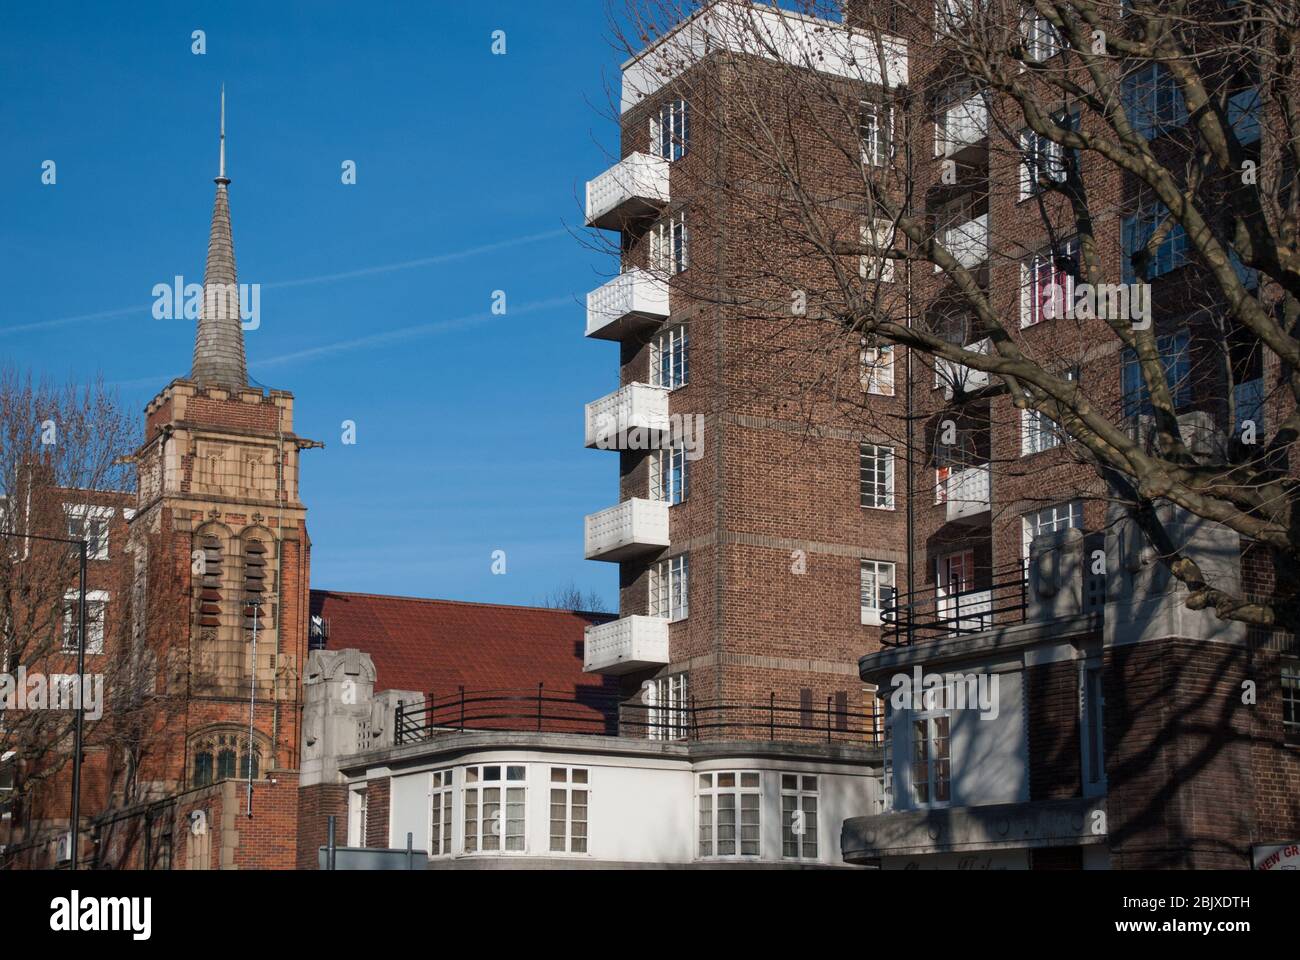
1243	115
1047	283
668	245
1137	231
798	817
1038	431
1042	42
1175	357
668	483
931	759
876	476
358	810
1291	700
670	130
90	524
669	366
670	588
440	812
1059	516
887	757
96	605
668	709
729	814
952	16
876	129
877	589
569	793
950	460
217	757
495	798
1093	725
956	576
1151	100
877	369
1040	158
878	234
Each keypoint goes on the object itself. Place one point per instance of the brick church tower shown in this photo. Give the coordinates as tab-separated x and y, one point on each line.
221	554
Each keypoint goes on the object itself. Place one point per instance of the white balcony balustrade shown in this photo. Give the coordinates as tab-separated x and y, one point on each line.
632	528
626	645
634	418
968	242
955	378
635	187
630	301
962	128
967	492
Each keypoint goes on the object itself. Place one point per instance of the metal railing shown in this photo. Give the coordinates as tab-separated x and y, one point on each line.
605	714
1002	597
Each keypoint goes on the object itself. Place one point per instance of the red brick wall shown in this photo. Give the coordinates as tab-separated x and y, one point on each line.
316	804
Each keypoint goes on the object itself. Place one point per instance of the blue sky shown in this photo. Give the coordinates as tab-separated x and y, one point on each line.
469	426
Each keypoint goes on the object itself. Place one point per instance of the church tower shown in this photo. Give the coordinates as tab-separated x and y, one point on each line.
221	552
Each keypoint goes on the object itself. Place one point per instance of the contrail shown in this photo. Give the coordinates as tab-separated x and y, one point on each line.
302	282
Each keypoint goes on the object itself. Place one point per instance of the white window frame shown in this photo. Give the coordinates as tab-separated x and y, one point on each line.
1152	100
572	793
932	721
668	475
669	245
800	809
442	812
670	130
666	702
745	794
875	577
669	585
358	811
1038	272
479	828
669	358
96	614
1042	42
1039	154
1067	515
877	233
877	369
875	132
82	519
881	460
1038	433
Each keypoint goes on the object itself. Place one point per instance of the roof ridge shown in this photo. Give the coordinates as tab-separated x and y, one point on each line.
460	603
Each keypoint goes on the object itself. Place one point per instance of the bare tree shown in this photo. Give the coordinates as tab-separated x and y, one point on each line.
571	597
1133	133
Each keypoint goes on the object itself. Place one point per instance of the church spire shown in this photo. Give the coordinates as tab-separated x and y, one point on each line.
219	344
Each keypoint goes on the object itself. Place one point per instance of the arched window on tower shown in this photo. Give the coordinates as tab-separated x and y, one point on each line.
202	775
223	754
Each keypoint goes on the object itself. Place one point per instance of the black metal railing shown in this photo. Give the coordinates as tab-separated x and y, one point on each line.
1001	597
600	713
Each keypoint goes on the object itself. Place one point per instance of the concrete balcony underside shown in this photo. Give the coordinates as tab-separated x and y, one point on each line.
632	417
634	188
1002	826
630	529
630	302
626	645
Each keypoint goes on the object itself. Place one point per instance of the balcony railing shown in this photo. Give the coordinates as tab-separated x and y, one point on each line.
632	528
599	712
635	417
933	613
967	492
956	378
635	187
968	242
630	301
626	645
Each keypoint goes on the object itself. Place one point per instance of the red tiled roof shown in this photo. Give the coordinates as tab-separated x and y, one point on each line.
435	646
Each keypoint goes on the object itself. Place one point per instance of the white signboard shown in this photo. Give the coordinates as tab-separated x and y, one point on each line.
1278	856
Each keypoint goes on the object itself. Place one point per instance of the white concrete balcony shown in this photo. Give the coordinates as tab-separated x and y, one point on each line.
635	417
968	242
635	187
631	300
626	645
962	128
966	493
955	378
632	528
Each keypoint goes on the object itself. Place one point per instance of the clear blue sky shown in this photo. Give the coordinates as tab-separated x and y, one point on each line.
469	425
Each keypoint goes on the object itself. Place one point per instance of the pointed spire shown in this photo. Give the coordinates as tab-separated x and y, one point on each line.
219	344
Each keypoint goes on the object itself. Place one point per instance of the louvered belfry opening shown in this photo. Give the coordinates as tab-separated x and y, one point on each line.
210	589
255	589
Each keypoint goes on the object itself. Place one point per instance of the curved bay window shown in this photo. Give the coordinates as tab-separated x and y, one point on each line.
223	755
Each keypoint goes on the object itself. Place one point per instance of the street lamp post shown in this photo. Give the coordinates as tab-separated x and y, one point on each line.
78	723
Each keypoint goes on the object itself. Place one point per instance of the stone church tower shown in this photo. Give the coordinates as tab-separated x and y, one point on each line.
221	553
